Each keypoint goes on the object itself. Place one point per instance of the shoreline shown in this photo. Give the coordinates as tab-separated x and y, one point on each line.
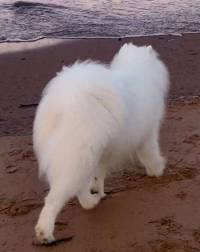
48	41
175	34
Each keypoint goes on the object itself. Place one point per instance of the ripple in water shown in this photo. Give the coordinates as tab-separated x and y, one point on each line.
30	20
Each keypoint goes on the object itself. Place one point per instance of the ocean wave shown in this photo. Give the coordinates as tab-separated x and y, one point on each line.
31	20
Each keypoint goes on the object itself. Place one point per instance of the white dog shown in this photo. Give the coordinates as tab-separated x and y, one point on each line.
92	116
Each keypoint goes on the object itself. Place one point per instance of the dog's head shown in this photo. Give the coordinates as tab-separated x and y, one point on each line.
129	49
131	54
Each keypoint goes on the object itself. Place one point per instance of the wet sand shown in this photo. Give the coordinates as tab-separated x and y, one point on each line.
139	213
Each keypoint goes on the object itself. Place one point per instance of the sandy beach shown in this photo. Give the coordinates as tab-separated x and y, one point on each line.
140	214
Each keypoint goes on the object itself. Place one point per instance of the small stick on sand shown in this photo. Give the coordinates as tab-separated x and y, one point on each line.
54	243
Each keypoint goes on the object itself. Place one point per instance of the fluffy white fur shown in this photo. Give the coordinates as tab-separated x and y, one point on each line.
91	117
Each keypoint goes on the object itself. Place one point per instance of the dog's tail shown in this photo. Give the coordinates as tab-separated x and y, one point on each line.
67	129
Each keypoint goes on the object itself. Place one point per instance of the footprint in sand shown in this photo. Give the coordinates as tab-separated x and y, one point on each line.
167	225
196	235
169	245
181	195
19	208
11	169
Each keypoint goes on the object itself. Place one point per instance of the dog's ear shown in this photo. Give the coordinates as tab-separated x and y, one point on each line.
124	46
152	51
150	48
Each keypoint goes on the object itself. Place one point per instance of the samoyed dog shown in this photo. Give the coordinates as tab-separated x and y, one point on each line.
92	116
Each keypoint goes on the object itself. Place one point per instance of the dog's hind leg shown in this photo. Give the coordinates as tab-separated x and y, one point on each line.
98	182
150	156
87	198
61	191
53	204
93	192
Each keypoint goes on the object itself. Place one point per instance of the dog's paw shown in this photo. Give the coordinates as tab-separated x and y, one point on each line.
157	170
103	195
97	187
90	200
43	236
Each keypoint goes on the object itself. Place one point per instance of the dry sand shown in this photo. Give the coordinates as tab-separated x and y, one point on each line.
139	213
